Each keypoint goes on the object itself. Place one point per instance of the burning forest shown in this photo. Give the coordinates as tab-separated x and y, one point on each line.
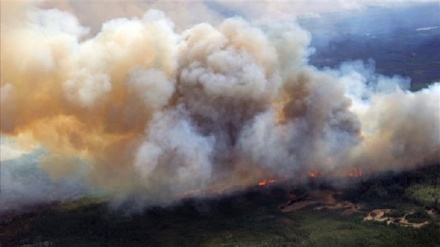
141	110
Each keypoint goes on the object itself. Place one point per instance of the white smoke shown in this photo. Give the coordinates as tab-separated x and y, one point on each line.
158	115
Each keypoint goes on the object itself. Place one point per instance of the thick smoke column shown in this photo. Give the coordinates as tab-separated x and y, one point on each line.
157	115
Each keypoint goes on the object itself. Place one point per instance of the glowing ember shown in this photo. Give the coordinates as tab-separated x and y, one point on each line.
314	174
355	173
266	182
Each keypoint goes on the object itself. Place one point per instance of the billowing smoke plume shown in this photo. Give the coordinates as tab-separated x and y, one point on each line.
147	113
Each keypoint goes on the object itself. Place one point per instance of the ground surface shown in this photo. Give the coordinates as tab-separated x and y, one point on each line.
402	41
257	217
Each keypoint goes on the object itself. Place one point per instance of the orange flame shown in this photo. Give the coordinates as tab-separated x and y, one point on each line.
266	182
314	174
355	173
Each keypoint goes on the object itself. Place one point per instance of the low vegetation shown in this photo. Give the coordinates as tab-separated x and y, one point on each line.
418	216
427	195
252	218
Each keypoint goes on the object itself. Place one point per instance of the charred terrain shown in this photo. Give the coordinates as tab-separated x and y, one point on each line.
388	209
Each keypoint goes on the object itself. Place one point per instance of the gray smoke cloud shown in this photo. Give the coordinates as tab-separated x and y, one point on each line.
157	115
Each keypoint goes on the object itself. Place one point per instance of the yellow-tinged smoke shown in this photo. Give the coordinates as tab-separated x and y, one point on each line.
160	115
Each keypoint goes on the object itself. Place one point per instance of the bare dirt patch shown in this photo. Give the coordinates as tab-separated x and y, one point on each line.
379	215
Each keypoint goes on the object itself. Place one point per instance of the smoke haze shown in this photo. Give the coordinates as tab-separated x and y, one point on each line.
141	110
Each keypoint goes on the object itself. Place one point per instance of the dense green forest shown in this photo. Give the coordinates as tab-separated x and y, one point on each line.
250	218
